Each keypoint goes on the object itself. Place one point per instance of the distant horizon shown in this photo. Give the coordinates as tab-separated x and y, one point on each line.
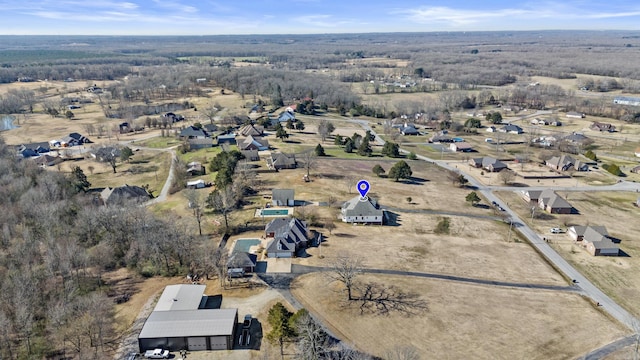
307	17
328	33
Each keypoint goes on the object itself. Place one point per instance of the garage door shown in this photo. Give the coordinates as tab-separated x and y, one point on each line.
197	343
283	254
218	342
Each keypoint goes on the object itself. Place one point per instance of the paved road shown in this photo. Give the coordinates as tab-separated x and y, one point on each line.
304	269
596	295
590	290
609	349
167	185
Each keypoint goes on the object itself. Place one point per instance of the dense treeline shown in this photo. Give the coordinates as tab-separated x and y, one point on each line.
56	242
280	86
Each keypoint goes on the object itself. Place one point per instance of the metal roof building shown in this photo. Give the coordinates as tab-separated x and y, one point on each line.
180	321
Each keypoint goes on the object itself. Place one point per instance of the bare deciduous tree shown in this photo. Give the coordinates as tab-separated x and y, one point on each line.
309	158
507	176
312	341
345	269
399	352
350	181
383	299
196	204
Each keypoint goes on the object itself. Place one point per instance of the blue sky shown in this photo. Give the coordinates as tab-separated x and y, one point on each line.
213	17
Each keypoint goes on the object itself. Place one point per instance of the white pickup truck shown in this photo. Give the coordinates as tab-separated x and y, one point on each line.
157	354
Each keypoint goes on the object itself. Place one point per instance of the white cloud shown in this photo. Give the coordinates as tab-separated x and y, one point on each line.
465	17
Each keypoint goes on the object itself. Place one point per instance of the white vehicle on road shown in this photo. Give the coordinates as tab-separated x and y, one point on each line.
556	230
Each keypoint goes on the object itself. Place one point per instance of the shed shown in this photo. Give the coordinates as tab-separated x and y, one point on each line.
283	197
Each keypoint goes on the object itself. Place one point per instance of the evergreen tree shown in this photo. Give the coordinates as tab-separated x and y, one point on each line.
378	170
391	149
401	170
320	150
281	329
364	149
79	180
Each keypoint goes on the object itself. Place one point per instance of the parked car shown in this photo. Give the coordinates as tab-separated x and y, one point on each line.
556	230
157	354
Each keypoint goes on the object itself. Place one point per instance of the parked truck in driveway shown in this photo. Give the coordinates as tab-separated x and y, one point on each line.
156	354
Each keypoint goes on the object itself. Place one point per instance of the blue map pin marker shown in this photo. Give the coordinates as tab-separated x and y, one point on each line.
363	188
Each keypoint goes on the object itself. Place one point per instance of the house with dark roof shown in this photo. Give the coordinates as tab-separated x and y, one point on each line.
553	203
210	128
599	126
288	235
575	138
229	139
254	143
251	130
33	149
250	155
362	210
511	129
193	132
104	153
124	194
284	117
565	163
440	138
530	196
195	168
461	147
595	239
408	129
279	161
74	139
241	260
488	163
283	197
47	160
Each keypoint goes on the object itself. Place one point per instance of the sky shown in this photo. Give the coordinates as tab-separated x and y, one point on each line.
214	17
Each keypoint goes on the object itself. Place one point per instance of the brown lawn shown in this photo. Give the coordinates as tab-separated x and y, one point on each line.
616	276
465	321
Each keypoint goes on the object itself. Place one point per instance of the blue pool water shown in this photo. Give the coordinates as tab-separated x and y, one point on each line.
245	244
457	139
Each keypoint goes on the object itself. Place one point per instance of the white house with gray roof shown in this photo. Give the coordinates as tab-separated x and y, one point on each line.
362	211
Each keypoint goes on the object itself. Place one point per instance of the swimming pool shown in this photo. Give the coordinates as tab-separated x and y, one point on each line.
272	212
245	244
457	139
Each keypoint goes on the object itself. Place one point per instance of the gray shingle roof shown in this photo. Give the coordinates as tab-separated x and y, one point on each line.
358	206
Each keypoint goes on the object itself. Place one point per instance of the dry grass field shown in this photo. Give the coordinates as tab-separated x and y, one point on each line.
466	321
616	276
487	320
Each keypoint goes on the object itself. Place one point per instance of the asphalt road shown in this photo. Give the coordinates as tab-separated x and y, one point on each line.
595	294
304	269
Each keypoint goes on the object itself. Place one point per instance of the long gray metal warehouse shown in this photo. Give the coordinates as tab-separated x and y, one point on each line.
181	321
